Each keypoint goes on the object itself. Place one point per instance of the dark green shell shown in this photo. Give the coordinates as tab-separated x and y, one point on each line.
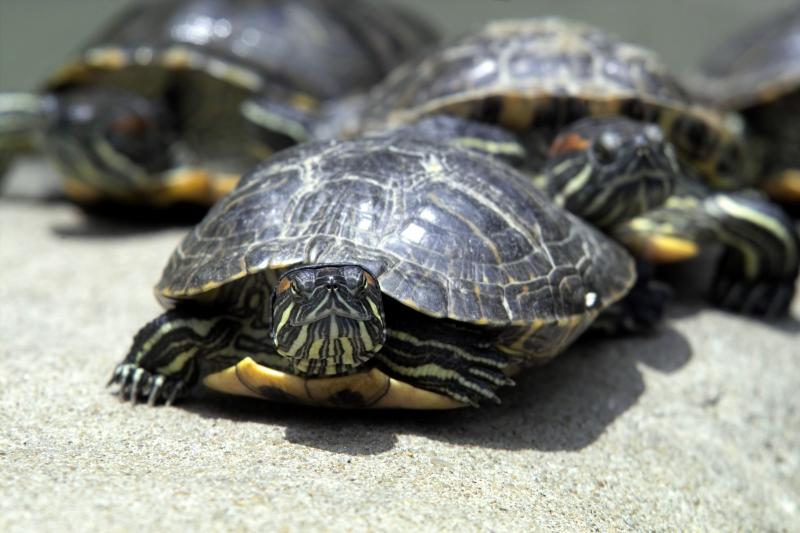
447	232
755	66
507	64
310	46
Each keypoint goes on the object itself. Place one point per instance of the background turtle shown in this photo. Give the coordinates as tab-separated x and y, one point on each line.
757	72
597	118
149	111
380	272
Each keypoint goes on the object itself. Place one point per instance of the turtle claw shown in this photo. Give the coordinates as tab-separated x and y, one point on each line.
137	384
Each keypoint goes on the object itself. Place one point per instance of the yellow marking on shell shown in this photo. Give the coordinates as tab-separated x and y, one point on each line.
108	58
518	346
177	58
143	55
783	186
80	192
490	147
516	112
193	185
378	390
75	72
304	102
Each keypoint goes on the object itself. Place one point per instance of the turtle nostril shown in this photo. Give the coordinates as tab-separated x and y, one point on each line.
331	284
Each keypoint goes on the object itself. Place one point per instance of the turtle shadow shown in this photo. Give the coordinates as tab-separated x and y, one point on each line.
115	220
564	405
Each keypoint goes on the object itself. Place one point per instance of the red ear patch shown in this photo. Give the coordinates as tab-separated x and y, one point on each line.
129	125
571	142
284	285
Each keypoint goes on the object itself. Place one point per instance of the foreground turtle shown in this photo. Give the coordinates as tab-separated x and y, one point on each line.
149	112
757	72
596	119
381	272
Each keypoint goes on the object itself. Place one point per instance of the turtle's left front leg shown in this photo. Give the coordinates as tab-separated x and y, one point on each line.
170	355
761	252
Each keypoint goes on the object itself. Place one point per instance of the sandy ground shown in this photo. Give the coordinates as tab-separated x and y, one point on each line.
696	427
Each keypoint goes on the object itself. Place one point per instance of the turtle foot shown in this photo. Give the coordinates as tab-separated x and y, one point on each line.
764	298
137	384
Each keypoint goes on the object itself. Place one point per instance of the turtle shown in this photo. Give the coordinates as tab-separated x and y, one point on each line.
571	93
757	73
149	111
381	272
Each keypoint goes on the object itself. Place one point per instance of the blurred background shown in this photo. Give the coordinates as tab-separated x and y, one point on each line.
36	36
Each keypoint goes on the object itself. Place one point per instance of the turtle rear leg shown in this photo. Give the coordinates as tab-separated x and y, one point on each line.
171	353
761	253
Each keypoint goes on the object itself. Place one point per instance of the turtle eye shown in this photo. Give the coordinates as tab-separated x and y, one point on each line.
605	147
302	284
355	278
295	289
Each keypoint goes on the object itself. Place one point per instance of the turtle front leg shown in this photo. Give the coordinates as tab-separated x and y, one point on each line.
170	354
761	257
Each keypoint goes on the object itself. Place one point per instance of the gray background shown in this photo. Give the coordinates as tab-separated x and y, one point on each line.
695	427
36	35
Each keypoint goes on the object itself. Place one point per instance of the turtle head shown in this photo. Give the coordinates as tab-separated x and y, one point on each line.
327	319
608	170
111	141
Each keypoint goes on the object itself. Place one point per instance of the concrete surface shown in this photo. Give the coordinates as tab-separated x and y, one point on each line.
696	427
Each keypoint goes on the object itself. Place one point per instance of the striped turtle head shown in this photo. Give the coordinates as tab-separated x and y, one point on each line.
112	141
327	319
610	169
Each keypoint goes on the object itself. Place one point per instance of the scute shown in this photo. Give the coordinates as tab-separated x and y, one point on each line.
332	53
447	232
529	63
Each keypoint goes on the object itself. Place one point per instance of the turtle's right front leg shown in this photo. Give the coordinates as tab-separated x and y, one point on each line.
761	252
170	354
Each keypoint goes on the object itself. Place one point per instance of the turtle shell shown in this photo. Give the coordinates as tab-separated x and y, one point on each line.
310	46
758	65
447	232
546	73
